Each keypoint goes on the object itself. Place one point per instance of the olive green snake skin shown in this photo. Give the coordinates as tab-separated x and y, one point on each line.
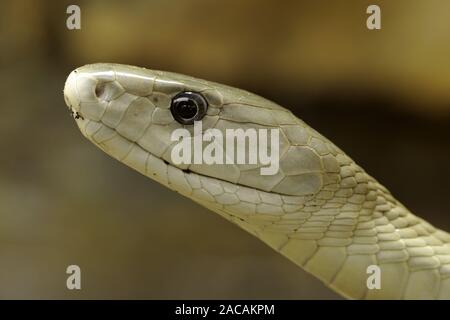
321	210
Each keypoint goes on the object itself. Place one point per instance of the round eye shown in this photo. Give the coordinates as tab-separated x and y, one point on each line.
188	107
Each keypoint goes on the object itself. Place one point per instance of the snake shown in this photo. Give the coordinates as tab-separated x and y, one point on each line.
320	209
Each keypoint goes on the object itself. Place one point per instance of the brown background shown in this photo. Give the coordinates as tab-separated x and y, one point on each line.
382	96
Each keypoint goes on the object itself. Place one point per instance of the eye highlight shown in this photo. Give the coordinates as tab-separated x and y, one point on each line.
187	107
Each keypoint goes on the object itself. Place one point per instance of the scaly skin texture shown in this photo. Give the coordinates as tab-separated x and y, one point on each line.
321	210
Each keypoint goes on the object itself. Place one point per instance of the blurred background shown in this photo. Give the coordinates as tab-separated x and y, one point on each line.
382	96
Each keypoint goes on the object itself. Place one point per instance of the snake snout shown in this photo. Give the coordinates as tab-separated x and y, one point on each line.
70	92
86	94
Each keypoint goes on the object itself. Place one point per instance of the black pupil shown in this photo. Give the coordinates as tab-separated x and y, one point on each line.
186	108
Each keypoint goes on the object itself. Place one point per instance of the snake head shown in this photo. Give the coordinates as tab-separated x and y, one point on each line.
132	113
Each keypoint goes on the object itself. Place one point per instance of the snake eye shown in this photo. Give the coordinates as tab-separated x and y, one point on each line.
188	107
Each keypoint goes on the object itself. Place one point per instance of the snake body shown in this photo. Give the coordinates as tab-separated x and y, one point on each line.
321	210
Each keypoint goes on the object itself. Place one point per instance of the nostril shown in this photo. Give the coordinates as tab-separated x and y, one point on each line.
100	90
109	90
